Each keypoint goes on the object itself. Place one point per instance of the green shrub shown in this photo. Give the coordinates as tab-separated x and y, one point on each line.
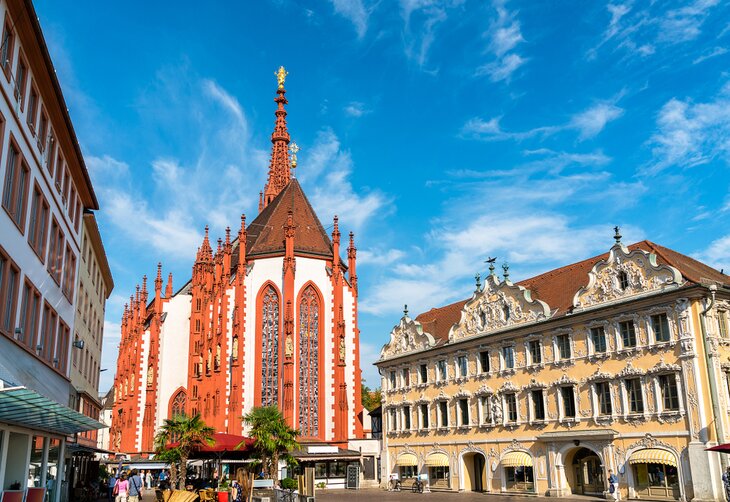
289	484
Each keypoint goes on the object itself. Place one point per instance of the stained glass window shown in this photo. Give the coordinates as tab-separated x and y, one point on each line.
178	403
270	348
309	363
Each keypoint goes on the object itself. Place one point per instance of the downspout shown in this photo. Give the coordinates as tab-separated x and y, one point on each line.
717	417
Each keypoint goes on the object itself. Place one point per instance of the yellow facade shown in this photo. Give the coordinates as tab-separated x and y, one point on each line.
527	397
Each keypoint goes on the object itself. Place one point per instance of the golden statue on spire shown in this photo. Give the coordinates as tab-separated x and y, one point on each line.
281	74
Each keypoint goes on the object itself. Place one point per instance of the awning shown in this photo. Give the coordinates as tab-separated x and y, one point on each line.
722	448
407	459
517	459
653	456
437	460
27	408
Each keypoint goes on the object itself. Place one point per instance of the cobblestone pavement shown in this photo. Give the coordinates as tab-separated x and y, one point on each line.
378	495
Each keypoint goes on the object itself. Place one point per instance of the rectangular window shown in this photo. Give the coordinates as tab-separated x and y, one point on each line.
424	416
15	193
407	417
660	325
484	361
538	405
9	277
535	351
6	50
38	224
598	338
563	342
441	369
391	377
462	364
511	402
21	74
59	169
63	340
486	409
69	274
444	413
508	357
633	395
603	392
670	396
42	130
48	333
54	261
32	107
568	396
405	377
66	185
423	372
393	419
722	323
464	411
628	333
30	312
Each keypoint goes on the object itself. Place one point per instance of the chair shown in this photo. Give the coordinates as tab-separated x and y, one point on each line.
35	495
12	496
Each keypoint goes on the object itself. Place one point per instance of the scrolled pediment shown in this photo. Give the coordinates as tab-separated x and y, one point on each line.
623	275
499	305
407	336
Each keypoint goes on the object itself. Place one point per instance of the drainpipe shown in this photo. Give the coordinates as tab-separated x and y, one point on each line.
717	417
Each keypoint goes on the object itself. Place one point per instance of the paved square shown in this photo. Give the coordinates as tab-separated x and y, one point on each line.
378	495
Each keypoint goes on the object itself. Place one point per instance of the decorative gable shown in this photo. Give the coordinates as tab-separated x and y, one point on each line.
625	274
407	336
497	306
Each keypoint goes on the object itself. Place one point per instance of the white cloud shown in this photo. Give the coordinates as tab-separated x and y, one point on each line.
717	51
421	19
356	109
717	254
690	134
379	257
503	68
355	11
588	123
504	36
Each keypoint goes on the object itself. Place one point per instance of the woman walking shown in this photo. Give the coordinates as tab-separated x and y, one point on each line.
121	489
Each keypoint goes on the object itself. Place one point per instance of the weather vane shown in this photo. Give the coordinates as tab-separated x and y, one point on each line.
281	74
491	261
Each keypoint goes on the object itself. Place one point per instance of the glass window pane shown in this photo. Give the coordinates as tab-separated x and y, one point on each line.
52	469
36	462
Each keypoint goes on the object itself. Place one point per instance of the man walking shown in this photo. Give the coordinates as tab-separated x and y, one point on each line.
135	486
112	482
613	484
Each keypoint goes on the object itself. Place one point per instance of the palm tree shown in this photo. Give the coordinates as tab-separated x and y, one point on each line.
273	437
164	453
188	433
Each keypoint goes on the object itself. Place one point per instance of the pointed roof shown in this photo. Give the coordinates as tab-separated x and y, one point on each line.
557	287
265	234
279	165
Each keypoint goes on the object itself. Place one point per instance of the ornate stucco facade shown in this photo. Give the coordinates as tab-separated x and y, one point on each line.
269	317
616	362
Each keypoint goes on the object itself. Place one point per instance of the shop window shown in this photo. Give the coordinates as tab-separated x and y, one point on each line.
567	395
423	372
320	470
519	479
439	476
535	351
484	361
337	469
511	404
670	395
462	365
538	405
634	396
563	346
603	393
628	333
408	471
660	326
658	481
598	340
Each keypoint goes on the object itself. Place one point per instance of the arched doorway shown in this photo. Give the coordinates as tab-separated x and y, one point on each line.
475	472
584	472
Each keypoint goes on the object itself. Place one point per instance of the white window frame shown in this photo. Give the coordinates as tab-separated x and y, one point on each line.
457	367
439	376
505	408
459	421
485	413
439	415
619	339
722	323
561	406
650	326
503	360
392	379
531	405
625	396
393	419
403	384
421	425
528	352
659	398
557	357
403	413
590	342
420	375
479	361
596	403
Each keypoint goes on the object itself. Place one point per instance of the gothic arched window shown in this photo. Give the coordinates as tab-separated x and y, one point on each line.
177	405
270	347
309	363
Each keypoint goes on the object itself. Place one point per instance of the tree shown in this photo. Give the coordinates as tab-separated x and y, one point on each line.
370	398
188	433
273	438
164	453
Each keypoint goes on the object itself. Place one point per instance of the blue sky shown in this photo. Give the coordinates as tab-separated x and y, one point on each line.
440	131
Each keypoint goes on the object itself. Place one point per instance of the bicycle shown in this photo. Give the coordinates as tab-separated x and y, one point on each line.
417	486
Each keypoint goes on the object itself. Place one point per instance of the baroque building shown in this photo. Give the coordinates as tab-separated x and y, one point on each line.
616	362
269	317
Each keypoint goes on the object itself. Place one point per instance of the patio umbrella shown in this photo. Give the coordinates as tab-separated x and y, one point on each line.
722	448
223	445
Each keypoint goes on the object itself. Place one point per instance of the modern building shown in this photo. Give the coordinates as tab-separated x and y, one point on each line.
105	417
45	189
616	362
269	317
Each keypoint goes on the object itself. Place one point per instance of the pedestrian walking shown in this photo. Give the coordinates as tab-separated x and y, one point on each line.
110	487
135	486
613	484
726	483
148	479
121	489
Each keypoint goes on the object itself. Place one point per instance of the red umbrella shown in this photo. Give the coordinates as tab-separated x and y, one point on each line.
222	443
723	448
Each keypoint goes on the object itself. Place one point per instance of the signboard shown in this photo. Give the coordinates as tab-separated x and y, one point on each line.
353	477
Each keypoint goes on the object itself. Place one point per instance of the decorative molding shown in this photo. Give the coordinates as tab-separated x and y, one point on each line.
642	275
599	376
629	371
484	390
407	336
534	385
662	367
498	306
508	386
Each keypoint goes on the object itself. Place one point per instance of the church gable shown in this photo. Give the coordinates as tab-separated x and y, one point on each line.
497	306
407	336
625	274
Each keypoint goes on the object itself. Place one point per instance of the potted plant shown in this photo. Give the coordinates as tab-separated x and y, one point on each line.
224	488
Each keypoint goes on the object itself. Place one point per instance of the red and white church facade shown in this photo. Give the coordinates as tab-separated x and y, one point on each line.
269	317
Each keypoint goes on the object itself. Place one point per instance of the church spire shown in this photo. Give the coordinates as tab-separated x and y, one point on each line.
279	166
